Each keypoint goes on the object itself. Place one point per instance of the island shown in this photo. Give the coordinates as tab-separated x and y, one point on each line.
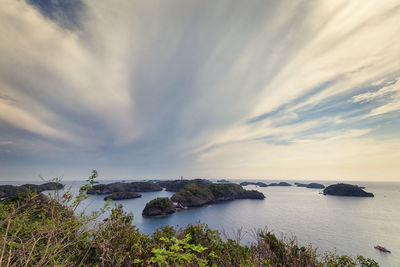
311	185
260	184
153	181
122	195
223	181
106	189
11	190
280	184
342	189
176	185
159	206
198	195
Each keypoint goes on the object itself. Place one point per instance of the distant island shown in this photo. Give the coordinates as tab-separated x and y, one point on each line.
119	191
342	189
223	181
194	195
260	184
311	185
11	190
122	195
280	184
105	189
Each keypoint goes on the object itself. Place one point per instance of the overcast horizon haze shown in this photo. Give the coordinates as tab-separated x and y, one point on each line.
306	90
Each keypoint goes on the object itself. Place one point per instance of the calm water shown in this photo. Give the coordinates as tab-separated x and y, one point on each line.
348	225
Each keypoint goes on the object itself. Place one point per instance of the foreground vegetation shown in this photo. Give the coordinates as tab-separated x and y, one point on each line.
36	230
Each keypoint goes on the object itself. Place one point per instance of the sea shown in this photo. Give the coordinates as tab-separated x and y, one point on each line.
345	225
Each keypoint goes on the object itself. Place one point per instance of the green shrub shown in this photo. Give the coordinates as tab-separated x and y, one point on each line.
179	252
117	242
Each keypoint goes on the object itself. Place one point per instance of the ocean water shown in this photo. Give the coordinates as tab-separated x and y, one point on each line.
347	225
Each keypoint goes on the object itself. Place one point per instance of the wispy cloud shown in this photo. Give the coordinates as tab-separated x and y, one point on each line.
5	143
160	88
384	92
387	98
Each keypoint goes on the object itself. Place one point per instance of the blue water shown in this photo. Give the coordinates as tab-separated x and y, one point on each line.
347	225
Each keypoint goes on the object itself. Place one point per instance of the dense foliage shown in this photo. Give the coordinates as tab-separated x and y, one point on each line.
177	185
193	195
36	230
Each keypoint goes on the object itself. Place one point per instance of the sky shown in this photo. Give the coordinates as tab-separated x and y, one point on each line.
235	89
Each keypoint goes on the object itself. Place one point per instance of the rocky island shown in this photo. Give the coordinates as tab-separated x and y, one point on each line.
176	185
194	195
11	190
260	184
280	184
346	190
198	195
122	195
106	189
159	206
311	185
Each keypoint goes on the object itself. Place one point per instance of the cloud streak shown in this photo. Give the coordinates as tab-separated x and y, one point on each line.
163	89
